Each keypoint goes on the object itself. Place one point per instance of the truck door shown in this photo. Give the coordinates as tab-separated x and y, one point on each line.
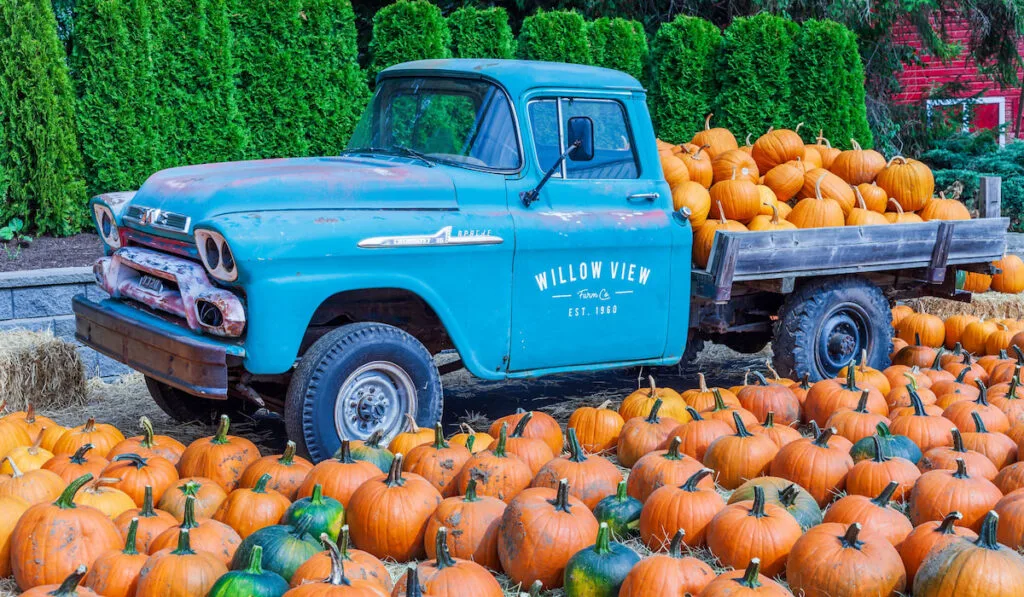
591	272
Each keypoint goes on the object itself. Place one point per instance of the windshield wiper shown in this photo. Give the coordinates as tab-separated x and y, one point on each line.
393	150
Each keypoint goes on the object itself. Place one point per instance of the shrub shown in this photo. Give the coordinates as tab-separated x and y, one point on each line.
194	69
555	36
39	152
827	84
116	108
620	44
754	74
481	33
683	84
408	30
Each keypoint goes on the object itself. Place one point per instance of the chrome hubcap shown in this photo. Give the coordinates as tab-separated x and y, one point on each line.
375	396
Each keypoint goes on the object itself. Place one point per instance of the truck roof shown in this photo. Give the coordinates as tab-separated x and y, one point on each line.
520	75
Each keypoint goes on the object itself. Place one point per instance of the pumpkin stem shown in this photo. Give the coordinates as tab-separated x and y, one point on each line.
395	472
652	418
817	186
620	491
721	214
885	497
966	360
15	471
79	456
961	469
344	454
30	413
958	441
189	488
470	442
413	427
696	154
603	544
862	403
412	582
937	362
130	541
769	420
707	121
915	401
719	402
1017	351
520	426
343	542
147	503
439	441
221	437
899	208
815	429
604	405
856	146
733	173
911	380
1011	394
752	577
741	429
375	438
675	548
694	415
963	374
37	442
892	161
499	446
860	198
261	483
883	430
759	378
288	458
147	432
880	455
691	483
703	383
982	393
188	520
787	497
576	453
823	437
255	560
747	140
317	498
851	375
757	509
948	524
805	382
561	501
798	125
337	576
184	545
673	449
443	558
979	425
852	537
70	584
137	461
987	535
90	425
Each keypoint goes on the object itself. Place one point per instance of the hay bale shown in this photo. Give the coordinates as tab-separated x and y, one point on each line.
987	304
41	368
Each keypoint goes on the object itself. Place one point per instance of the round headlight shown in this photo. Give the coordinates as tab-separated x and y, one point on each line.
212	253
105	225
227	260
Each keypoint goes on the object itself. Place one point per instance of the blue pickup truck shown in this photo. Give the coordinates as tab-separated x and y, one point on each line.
514	212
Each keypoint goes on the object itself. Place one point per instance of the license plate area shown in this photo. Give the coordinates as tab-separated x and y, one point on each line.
151	284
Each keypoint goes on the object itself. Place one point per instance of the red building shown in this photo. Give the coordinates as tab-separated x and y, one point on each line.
991	106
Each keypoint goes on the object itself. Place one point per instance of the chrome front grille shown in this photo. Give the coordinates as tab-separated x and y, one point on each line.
158	218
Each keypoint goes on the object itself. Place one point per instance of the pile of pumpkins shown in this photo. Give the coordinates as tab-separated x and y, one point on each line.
958	334
88	512
733	188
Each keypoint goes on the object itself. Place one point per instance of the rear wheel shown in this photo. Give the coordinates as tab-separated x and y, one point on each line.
184	407
827	323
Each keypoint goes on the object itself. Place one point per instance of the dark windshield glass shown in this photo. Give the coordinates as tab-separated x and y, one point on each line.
459	121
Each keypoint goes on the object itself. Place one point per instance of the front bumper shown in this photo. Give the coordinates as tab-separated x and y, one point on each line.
159	349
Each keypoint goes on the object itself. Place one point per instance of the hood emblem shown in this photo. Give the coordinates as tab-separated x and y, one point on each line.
443	238
158	218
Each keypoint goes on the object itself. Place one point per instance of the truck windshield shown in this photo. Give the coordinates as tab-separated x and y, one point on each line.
464	122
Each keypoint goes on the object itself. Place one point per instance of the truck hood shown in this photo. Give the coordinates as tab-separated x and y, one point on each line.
346	182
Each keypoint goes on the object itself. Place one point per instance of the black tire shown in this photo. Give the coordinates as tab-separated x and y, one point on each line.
827	322
186	408
367	357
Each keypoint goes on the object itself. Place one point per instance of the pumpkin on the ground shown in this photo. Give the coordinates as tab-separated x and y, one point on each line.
1011	519
702	397
815	465
754	529
150	522
439	462
102	494
149	444
737	458
287	472
220	457
101	435
697	435
135	474
326	515
472	522
779	434
927	431
639	403
979	567
285	547
928	538
940	492
830	556
481	441
207	535
875	513
207	493
12	509
69	588
373	452
857	423
248	510
591	478
760	398
72	466
997	447
662	467
782	492
251	580
621	512
597	428
641	436
748	581
687	506
181	571
896	446
116	573
35	486
667	574
870	476
337	583
27	458
404	442
339	477
445	575
497	473
541	426
600	569
533	451
828	396
359	565
945	457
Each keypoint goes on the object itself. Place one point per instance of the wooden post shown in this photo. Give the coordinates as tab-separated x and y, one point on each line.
989	197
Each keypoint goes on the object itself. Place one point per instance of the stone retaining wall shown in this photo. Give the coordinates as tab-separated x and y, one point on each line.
41	300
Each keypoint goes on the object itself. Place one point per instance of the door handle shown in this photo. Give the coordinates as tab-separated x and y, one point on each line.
643	197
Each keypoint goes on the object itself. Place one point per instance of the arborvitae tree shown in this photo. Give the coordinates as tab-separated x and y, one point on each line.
194	68
335	84
754	75
827	81
481	33
620	44
555	36
117	123
408	30
683	84
39	147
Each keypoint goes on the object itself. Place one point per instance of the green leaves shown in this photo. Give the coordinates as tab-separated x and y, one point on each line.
481	33
408	30
683	85
555	36
620	44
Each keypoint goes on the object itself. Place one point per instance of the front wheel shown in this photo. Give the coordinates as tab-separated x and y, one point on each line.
827	323
357	379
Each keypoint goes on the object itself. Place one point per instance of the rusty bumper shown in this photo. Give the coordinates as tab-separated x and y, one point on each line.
142	341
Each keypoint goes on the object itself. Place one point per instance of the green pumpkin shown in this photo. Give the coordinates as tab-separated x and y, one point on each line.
285	548
598	570
326	514
620	511
895	446
253	581
782	492
371	451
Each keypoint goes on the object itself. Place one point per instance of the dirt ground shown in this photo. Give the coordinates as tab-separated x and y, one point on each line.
46	251
468	399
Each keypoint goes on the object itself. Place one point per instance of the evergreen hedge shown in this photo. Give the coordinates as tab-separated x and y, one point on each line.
39	148
117	123
683	84
408	30
194	69
620	44
827	84
481	33
555	36
754	75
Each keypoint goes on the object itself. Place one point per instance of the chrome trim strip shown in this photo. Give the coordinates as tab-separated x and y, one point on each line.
441	238
150	217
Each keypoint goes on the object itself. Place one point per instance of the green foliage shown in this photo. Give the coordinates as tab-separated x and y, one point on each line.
408	30
194	68
754	74
64	11
39	148
116	106
481	33
620	44
827	84
683	84
556	36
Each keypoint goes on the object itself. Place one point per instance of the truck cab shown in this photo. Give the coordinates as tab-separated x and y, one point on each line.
513	211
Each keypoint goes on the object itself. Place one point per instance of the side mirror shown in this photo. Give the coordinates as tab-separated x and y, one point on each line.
580	133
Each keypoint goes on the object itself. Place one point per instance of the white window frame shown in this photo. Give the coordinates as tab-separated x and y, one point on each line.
966	103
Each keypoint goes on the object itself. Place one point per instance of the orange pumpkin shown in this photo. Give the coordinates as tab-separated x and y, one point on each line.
135	473
149	521
924	326
944	209
667	574
180	571
338	477
857	423
662	467
673	169
35	486
102	436
358	564
860	215
1000	450
591	478
926	430
718	140
929	538
473	523
977	283
1010	278
149	444
116	573
1011	519
207	493
734	164
899	216
826	151
785	180
873	512
102	494
407	440
221	457
702	398
694	197
73	466
481	440
639	403
777	147
945	457
737	458
33	423
767	532
697	435
909	182
541	426
498	473
858	165
735	198
12	509
597	428
959	413
829	396
979	567
208	535
249	510
942	491
836	559
698	164
760	398
779	434
747	581
817	211
534	452
27	458
687	506
829	186
440	461
875	198
827	476
69	587
955	326
763	222
287	472
445	575
704	237
871	475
